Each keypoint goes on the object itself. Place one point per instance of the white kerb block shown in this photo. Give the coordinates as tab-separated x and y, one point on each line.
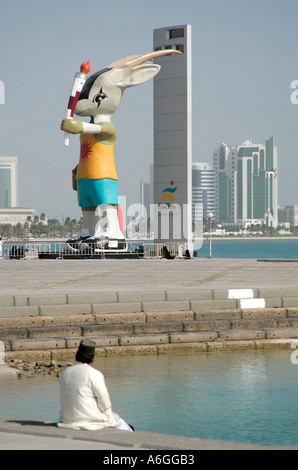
252	303
241	294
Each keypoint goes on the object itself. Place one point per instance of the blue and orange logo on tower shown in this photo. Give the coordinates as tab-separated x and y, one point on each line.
168	193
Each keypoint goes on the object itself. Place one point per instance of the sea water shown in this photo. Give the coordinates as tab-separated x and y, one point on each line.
242	248
246	397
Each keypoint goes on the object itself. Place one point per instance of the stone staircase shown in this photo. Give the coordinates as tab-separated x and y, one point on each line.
148	322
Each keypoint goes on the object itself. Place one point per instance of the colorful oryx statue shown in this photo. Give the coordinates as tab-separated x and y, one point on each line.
95	176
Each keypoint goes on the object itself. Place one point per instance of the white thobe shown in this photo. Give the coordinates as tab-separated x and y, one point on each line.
85	401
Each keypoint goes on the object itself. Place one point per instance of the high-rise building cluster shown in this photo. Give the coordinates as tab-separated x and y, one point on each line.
240	188
246	183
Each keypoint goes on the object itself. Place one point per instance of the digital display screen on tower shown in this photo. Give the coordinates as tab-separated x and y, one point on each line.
176	33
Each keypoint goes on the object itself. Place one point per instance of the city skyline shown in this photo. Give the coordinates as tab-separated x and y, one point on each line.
246	183
243	67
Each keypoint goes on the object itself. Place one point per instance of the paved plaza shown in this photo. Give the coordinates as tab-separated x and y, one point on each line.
29	277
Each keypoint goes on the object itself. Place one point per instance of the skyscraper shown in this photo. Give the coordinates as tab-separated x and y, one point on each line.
8	182
246	183
173	132
203	191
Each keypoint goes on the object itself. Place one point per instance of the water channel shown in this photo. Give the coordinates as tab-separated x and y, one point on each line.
234	396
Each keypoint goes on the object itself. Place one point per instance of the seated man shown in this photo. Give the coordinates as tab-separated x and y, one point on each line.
85	401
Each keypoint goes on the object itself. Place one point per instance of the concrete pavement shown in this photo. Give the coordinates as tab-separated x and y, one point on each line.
21	434
33	277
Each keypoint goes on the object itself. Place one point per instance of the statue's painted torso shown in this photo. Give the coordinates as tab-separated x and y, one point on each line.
97	154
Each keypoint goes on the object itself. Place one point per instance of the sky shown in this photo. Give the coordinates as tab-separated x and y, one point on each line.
244	59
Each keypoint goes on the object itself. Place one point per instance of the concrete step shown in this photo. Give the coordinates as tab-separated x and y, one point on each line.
124	340
198	307
104	302
161	320
154	329
149	328
202	320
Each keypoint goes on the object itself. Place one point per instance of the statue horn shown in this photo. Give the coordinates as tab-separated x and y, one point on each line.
133	60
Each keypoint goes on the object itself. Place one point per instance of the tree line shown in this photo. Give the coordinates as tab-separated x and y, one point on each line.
41	227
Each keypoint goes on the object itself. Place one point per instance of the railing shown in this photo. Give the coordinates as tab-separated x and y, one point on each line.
61	250
163	250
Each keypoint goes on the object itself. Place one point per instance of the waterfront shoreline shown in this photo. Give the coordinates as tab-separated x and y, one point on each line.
32	422
52	362
24	434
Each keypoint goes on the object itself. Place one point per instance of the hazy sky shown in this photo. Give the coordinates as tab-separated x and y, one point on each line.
245	56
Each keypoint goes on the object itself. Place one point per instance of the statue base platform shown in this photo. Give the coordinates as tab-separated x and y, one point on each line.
102	255
115	249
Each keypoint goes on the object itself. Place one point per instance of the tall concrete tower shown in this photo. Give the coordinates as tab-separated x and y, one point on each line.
173	136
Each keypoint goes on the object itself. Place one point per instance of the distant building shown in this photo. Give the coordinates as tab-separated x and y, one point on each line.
10	213
15	215
8	181
288	215
246	184
203	191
